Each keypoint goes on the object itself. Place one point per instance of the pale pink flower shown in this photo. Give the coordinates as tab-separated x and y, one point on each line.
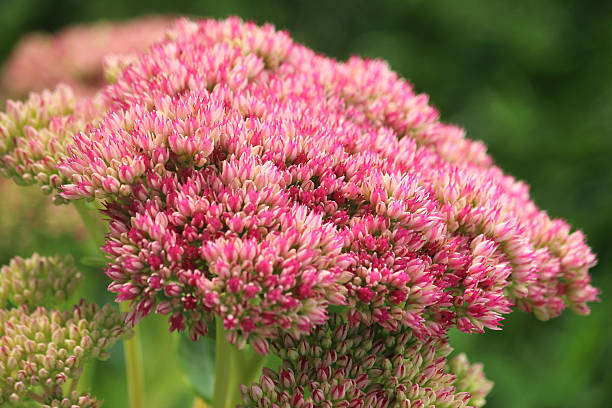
76	54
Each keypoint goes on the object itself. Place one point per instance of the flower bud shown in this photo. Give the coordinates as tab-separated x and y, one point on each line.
38	281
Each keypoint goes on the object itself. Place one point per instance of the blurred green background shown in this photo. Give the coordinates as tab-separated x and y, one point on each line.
531	79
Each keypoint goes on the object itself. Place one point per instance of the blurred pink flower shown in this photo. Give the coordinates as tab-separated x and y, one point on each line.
76	54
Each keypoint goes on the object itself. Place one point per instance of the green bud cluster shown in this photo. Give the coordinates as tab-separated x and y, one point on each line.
42	349
38	281
353	365
42	352
470	378
34	135
74	400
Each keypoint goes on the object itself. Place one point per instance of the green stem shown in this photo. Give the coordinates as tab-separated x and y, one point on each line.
134	366
232	368
96	233
246	368
222	366
87	376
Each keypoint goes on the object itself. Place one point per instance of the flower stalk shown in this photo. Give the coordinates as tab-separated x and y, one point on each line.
134	365
233	367
223	359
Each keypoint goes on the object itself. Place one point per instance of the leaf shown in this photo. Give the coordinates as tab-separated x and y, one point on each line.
338	309
273	361
198	361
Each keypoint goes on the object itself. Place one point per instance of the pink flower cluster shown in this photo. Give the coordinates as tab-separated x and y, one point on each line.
247	177
76	55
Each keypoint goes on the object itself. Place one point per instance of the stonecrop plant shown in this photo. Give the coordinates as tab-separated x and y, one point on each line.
312	222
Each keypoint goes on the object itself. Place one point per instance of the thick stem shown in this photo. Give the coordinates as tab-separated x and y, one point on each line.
90	221
232	368
246	368
222	366
87	374
134	366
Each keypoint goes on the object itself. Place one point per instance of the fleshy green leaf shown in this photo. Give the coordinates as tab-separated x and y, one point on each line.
198	362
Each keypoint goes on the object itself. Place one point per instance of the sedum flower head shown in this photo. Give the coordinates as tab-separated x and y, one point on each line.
345	365
38	281
318	208
43	349
247	177
42	352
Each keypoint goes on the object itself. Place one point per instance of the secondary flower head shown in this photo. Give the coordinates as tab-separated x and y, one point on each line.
470	378
42	352
38	281
34	134
344	365
43	349
247	177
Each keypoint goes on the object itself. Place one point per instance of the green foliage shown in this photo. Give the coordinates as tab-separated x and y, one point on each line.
198	361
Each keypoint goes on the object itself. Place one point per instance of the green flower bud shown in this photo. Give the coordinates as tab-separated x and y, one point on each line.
36	281
34	135
470	379
42	351
374	371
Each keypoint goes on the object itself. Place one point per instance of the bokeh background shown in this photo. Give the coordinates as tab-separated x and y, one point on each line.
533	80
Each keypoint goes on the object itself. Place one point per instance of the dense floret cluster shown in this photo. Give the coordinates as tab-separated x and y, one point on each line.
43	349
34	134
38	281
342	365
248	177
319	209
